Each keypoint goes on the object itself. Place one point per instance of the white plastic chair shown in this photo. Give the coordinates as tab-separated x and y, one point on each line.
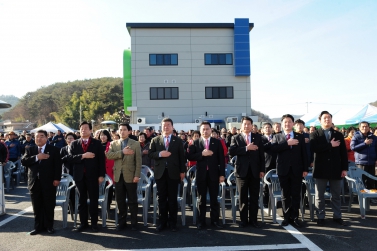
235	196
8	174
143	189
62	195
356	187
16	174
181	199
102	199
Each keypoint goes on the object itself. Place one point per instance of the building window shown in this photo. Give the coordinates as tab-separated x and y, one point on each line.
218	59
163	93
163	59
225	92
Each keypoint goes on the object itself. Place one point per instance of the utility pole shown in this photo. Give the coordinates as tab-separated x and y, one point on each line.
80	114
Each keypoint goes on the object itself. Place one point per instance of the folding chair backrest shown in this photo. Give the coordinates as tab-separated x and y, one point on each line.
103	186
228	170
143	181
147	171
357	174
310	185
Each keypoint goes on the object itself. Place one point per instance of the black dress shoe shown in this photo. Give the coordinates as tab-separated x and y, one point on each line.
50	230
340	222
297	223
255	224
216	224
285	222
121	227
173	228
95	228
81	228
160	227
134	228
242	224
34	232
321	222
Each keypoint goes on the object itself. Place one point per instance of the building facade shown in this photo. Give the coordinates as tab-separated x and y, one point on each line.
188	71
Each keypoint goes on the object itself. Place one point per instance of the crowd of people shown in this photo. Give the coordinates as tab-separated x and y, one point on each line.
287	146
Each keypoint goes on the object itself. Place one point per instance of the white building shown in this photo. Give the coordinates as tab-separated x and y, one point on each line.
188	71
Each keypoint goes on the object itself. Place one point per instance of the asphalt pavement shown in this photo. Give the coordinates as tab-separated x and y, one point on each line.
18	221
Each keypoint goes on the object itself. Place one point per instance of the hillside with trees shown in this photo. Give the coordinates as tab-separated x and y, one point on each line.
101	99
60	102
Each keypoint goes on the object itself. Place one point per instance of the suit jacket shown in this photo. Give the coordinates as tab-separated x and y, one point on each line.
215	163
129	165
269	155
64	153
48	169
329	162
94	168
247	159
175	162
290	156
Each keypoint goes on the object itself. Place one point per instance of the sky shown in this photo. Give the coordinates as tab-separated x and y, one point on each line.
306	56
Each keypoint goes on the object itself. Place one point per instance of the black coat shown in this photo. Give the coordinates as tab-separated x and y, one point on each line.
294	157
215	163
329	162
94	168
48	169
247	159
269	155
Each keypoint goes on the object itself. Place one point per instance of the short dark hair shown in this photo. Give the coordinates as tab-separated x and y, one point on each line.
364	122
148	128
86	123
72	134
287	116
246	118
105	132
129	128
267	123
215	130
143	134
299	121
167	120
349	129
195	132
276	123
324	112
42	131
205	123
28	134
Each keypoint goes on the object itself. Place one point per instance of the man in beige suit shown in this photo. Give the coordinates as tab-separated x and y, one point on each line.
127	167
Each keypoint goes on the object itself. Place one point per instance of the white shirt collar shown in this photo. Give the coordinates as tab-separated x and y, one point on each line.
43	148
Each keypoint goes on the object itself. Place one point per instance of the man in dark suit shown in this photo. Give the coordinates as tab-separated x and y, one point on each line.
330	166
250	168
269	157
292	165
210	171
45	168
88	159
169	170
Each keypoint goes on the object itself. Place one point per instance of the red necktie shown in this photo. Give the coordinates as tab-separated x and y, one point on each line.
167	142
288	136
247	139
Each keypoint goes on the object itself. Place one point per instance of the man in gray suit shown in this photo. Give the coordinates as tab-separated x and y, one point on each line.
169	170
127	167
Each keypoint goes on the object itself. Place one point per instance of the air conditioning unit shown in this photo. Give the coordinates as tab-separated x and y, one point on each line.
198	121
232	119
140	120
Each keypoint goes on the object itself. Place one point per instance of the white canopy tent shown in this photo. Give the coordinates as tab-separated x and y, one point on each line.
345	116
65	128
49	127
